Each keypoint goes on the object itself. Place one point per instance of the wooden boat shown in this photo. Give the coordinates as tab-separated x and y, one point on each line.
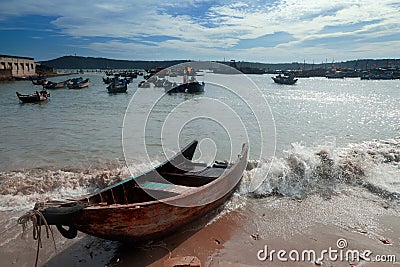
117	79
117	87
146	207
288	80
40	82
35	97
54	85
195	87
78	83
190	87
335	75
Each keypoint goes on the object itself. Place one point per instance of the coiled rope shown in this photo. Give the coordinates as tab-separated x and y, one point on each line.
36	217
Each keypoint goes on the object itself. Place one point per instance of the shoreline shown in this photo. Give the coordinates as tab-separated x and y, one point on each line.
233	238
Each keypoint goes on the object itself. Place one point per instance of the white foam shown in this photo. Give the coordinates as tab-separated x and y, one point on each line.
302	171
324	170
21	189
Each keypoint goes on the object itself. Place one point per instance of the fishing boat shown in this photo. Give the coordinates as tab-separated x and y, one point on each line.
192	86
109	80
78	83
55	85
117	87
195	87
282	79
35	97
146	207
335	75
40	82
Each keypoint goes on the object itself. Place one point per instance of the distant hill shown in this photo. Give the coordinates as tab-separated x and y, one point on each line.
77	62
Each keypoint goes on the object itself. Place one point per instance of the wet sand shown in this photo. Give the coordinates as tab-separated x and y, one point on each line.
234	238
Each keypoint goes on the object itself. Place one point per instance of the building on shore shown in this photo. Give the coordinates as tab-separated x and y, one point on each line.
15	66
44	70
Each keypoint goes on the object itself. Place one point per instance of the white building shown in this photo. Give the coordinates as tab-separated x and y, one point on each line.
19	66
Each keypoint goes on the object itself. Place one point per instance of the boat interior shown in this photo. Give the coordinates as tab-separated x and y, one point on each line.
173	178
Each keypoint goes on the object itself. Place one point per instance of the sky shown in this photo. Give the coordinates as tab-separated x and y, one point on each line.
256	30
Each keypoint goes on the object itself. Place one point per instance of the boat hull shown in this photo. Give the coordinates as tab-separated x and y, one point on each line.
116	89
32	98
284	81
140	222
136	224
78	85
191	88
141	208
52	85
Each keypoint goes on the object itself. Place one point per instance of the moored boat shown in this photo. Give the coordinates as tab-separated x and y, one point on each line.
55	85
151	205
195	87
117	87
282	79
335	75
40	82
192	86
78	83
35	97
116	78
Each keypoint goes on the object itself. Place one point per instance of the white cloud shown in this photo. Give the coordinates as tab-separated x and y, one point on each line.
220	28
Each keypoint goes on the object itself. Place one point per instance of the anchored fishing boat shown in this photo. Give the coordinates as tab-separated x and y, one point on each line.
35	97
116	87
55	85
78	83
41	81
282	79
143	207
192	86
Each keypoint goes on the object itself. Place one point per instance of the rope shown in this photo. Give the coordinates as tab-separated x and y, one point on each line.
36	217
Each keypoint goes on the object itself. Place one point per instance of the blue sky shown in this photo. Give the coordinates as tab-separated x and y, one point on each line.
255	30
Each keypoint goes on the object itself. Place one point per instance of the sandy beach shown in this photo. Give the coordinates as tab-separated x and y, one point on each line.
235	235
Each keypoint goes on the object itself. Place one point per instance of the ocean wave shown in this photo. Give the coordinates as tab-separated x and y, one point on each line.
302	171
324	170
22	188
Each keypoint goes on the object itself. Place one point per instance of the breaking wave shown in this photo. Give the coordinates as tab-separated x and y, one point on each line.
302	171
324	170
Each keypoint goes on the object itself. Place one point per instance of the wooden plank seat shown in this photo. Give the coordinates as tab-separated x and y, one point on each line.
209	172
164	190
173	188
194	179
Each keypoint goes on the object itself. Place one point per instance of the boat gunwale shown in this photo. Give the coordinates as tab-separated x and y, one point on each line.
194	190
